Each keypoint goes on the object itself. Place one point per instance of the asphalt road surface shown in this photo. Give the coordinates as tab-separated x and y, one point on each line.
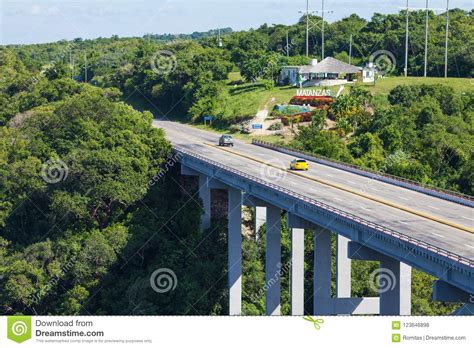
426	218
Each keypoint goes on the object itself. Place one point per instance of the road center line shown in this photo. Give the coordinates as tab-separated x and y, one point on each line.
349	190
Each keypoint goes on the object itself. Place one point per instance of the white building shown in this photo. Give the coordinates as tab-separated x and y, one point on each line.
328	72
368	73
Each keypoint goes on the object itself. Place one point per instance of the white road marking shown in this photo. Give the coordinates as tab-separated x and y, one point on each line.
331	176
352	182
438	235
405	199
403	222
430	206
470	246
467	218
337	199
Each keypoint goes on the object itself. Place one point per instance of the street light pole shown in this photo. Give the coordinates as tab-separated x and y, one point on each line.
350	50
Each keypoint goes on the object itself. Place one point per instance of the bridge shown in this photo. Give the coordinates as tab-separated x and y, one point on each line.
375	217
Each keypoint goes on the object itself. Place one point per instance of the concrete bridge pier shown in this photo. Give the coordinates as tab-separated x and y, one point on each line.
394	278
322	272
297	271
445	292
271	216
205	196
343	268
234	226
260	218
273	261
204	191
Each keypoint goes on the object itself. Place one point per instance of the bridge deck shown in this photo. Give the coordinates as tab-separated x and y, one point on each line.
438	222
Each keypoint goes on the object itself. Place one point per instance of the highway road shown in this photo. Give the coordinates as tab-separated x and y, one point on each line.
432	220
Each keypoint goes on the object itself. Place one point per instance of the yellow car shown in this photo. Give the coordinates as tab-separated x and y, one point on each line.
299	164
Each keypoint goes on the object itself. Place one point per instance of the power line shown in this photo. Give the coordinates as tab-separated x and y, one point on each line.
323	11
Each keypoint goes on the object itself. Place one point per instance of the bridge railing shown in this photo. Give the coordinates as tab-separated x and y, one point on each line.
372	174
356	219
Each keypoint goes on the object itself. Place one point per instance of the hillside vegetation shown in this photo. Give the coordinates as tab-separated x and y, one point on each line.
92	203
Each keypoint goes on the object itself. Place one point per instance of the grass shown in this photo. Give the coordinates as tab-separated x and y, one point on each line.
384	86
249	98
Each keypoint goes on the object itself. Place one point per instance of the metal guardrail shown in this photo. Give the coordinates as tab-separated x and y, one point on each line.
339	212
372	174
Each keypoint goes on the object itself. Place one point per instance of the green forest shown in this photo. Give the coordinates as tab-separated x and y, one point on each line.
83	226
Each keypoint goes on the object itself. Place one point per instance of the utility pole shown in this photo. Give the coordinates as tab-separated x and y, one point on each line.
447	33
426	38
85	67
406	40
71	64
350	50
287	45
322	31
219	40
323	11
307	28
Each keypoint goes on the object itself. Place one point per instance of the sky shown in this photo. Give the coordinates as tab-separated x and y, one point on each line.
27	21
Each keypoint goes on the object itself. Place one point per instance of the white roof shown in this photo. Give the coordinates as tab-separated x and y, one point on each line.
330	65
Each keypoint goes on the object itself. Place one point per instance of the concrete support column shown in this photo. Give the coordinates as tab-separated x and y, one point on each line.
322	271
273	261
234	216
395	298
394	278
260	219
343	268
297	271
205	196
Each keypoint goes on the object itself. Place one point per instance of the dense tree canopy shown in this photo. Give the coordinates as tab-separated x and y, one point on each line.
83	226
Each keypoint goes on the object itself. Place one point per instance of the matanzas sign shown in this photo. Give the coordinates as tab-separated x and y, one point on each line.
313	93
